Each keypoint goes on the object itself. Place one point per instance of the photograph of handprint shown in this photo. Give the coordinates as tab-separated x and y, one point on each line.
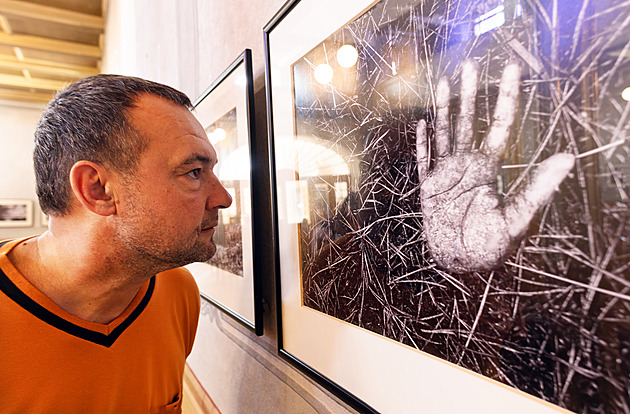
463	183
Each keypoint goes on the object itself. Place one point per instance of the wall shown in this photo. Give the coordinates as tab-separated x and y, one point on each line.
17	180
187	44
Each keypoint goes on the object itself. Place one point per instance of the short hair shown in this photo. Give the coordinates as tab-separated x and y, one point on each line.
89	120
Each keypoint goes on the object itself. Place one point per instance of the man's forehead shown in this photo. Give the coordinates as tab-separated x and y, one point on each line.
148	103
152	114
173	135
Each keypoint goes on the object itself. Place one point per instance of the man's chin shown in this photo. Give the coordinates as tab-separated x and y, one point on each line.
203	253
197	253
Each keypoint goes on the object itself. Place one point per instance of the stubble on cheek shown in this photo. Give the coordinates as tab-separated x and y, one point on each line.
163	244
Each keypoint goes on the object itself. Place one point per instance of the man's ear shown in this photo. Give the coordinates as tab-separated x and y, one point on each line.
90	185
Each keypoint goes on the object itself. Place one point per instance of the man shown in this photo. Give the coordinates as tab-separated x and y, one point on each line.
97	316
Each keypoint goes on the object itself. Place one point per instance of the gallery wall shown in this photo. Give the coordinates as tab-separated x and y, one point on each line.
17	180
187	44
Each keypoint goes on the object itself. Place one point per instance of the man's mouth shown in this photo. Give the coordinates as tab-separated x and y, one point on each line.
209	226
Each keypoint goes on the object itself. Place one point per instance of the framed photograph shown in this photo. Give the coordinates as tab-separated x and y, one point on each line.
16	213
451	196
229	279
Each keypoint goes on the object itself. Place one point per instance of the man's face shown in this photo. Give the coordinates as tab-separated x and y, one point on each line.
169	208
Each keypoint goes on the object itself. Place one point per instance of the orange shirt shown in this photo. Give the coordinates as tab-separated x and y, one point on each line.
53	362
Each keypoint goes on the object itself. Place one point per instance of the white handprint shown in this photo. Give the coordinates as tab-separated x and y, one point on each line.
466	225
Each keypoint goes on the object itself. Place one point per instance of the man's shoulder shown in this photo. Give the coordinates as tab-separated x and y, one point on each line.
177	291
178	272
6	245
179	278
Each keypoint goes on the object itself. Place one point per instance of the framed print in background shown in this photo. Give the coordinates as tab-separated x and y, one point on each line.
451	201
229	279
16	213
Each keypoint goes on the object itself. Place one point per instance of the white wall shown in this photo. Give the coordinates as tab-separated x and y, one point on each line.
17	179
187	44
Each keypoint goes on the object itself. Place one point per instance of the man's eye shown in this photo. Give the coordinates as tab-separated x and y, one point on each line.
194	173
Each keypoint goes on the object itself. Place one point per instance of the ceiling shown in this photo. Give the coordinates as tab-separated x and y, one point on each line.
44	44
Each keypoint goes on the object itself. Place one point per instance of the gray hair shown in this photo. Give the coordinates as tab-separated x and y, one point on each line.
89	120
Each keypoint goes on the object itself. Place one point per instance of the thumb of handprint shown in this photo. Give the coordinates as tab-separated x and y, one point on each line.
466	225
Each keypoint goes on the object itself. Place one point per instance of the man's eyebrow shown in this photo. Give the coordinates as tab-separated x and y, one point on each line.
198	158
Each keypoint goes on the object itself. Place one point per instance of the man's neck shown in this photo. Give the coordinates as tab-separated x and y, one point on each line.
83	277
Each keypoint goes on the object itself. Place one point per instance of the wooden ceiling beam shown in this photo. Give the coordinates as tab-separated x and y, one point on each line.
33	83
48	67
54	63
51	14
4	25
25	96
50	45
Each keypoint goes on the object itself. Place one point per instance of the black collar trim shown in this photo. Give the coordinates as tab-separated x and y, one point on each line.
19	297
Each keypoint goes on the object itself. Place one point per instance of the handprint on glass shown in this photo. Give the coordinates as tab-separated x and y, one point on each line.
468	227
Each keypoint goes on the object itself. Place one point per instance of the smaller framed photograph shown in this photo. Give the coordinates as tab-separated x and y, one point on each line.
16	213
229	280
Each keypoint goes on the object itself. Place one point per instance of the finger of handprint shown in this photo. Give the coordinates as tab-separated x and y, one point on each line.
545	181
422	149
464	134
504	111
442	124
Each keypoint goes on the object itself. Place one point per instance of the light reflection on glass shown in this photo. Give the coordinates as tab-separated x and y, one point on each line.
323	73
347	56
216	136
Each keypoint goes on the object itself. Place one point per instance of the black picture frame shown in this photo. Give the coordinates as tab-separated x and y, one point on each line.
305	30
231	279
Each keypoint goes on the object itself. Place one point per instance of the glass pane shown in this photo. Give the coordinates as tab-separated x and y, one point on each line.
488	228
223	135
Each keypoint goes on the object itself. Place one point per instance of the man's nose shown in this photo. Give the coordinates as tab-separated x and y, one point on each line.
219	197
